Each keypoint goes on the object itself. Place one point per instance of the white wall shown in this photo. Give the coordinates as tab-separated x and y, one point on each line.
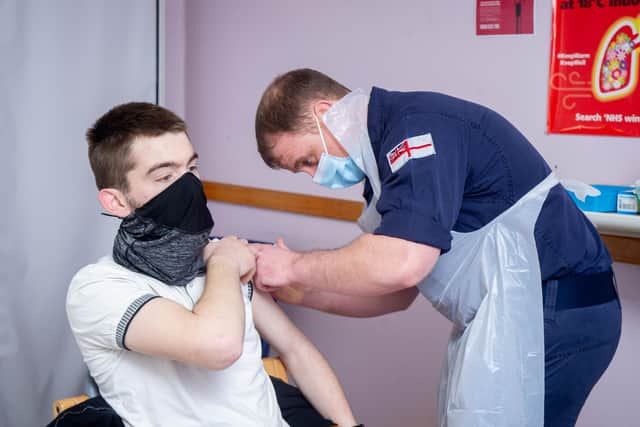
232	49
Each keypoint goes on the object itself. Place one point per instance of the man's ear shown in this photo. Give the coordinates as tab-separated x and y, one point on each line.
114	202
321	106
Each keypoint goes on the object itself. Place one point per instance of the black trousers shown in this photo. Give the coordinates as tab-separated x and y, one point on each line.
295	408
94	412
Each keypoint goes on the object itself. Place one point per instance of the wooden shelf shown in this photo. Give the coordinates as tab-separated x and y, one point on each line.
623	249
621	233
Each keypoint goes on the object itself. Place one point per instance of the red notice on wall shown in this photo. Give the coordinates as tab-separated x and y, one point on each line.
594	69
504	17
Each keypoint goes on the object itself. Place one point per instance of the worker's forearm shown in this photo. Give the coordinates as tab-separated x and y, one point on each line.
319	384
359	306
369	266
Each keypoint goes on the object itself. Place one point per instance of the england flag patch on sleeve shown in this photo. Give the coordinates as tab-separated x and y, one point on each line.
413	148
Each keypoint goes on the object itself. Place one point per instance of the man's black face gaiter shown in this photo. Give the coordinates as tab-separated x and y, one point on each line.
165	238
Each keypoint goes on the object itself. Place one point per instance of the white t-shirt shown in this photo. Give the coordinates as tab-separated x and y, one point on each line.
151	391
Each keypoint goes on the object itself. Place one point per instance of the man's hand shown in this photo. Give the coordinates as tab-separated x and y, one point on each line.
235	252
274	266
211	334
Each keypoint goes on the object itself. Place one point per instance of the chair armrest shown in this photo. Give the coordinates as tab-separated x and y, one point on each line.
62	404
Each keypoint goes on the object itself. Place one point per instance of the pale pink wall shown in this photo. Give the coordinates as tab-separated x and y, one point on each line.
232	49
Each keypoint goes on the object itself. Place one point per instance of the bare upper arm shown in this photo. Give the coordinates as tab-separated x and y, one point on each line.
274	325
410	261
421	260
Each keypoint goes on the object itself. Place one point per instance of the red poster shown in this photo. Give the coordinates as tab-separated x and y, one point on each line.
504	17
594	69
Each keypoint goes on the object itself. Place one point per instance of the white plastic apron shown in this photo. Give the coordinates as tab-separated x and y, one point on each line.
489	286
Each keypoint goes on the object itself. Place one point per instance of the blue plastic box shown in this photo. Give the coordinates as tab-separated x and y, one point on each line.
607	201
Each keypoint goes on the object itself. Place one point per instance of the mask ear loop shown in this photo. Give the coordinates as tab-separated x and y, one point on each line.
324	144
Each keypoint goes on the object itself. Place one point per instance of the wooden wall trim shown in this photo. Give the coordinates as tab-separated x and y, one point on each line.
345	210
623	249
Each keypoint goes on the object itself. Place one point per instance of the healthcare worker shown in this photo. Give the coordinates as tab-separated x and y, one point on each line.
462	207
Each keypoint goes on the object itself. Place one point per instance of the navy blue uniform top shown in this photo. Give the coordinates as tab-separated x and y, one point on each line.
482	165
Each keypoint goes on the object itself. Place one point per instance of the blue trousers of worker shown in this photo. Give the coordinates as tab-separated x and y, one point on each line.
579	345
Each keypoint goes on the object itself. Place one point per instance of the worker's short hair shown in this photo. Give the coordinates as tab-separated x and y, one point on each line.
286	106
111	136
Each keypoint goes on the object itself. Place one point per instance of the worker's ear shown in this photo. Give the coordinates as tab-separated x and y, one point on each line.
321	107
114	202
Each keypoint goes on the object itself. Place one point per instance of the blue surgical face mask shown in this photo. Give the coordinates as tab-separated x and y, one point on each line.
335	172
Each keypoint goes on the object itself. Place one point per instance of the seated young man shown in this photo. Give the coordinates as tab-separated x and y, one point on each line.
165	324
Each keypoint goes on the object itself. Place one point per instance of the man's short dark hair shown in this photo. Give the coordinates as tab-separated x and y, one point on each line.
111	136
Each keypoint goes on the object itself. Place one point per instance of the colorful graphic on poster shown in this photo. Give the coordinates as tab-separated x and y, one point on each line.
495	17
593	76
